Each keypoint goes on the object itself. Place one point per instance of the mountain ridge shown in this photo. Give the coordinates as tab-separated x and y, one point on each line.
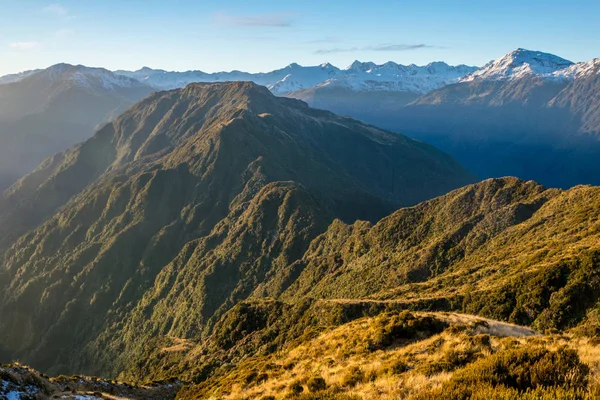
201	184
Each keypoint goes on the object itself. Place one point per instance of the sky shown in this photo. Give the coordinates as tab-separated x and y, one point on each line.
261	35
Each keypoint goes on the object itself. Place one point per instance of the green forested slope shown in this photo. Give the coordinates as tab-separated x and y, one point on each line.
191	201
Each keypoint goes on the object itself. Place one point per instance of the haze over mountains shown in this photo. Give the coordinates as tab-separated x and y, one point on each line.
529	114
44	112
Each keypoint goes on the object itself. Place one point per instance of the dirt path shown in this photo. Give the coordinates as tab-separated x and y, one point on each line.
489	326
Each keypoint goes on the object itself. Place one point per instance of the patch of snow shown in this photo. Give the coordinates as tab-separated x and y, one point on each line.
579	70
13	395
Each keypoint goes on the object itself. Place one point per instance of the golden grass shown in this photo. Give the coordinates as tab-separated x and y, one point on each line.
403	370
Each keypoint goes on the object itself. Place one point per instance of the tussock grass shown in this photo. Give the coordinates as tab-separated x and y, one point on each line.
463	359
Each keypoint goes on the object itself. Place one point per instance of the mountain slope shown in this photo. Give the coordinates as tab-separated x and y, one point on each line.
415	356
44	112
503	248
414	244
371	92
582	98
186	204
481	249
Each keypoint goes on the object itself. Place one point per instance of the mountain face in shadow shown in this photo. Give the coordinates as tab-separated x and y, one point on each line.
531	128
48	111
527	114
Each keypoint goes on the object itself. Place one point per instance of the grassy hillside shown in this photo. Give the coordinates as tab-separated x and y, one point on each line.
414	356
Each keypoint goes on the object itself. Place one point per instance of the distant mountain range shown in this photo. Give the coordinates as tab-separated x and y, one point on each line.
46	111
358	76
530	114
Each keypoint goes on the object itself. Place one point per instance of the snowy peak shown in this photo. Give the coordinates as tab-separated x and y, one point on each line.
519	64
360	66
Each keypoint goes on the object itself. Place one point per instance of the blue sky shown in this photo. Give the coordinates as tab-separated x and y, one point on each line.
263	35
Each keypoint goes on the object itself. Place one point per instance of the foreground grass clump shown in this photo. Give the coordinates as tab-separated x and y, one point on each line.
504	393
524	373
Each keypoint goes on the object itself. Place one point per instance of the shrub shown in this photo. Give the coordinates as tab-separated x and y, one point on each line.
405	326
289	366
435	367
352	377
525	369
296	387
487	392
316	384
398	367
250	377
330	394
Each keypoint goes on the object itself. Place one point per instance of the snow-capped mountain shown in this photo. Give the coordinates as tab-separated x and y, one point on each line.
396	77
88	77
522	63
358	76
78	75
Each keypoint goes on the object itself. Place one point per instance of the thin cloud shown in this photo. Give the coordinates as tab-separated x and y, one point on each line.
57	10
381	47
401	47
24	45
63	33
275	20
328	39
